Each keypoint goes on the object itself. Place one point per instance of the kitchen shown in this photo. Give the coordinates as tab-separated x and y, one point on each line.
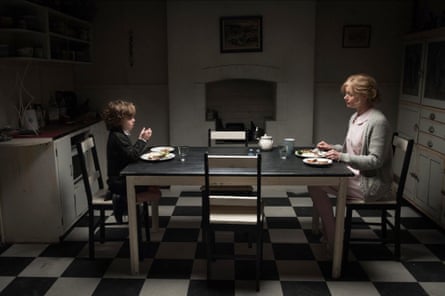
162	54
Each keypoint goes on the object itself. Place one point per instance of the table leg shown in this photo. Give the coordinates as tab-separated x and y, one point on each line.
155	216
132	226
339	228
315	222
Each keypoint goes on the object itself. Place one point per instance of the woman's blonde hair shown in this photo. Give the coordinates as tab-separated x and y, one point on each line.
117	110
363	85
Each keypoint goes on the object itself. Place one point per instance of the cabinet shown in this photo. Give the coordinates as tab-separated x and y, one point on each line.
41	193
35	32
422	118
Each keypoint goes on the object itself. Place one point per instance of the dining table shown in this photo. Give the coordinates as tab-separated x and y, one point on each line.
274	171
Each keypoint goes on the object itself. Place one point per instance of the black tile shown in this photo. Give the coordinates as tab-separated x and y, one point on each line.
113	233
163	221
246	270
12	266
427	271
405	236
28	286
283	222
359	223
304	288
63	249
149	249
168	201
351	271
124	287
417	223
371	251
190	194
187	211
216	288
402	289
275	201
303	211
438	250
311	237
243	237
181	235
171	269
300	194
4	247
82	267
292	252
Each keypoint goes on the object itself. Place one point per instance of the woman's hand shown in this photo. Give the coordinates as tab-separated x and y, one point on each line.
333	154
324	146
145	134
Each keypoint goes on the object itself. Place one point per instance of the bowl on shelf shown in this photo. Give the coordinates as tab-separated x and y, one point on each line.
25	52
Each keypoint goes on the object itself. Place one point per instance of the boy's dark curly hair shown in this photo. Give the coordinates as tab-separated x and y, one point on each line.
117	110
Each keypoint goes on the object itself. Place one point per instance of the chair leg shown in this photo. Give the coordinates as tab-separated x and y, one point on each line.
397	234
102	226
259	257
139	231
91	232
155	215
146	217
383	225
347	234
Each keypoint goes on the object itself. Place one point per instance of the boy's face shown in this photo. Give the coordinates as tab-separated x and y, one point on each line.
128	124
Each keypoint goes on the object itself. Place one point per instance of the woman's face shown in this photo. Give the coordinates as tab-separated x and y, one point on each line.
352	100
128	124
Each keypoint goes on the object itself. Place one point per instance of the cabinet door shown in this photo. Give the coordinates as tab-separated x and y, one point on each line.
412	72
434	94
431	173
408	121
65	176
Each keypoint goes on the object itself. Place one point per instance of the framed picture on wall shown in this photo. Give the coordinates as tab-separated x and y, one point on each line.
241	34
356	36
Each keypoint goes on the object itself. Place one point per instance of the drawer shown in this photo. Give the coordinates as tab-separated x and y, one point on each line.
432	142
432	127
433	115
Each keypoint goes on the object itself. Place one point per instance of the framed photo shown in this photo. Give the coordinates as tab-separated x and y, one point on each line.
356	36
241	34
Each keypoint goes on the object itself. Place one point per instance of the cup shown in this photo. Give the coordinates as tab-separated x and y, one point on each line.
283	150
290	143
183	151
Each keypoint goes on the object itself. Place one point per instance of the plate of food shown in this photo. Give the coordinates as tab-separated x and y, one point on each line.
164	149
317	161
157	156
310	153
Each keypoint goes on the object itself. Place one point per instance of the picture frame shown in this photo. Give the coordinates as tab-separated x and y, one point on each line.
241	34
356	36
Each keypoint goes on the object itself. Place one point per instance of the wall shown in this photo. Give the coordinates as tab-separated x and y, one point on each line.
40	80
389	21
194	59
130	62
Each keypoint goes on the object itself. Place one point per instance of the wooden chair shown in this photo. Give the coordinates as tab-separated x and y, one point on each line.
96	193
227	137
226	211
402	149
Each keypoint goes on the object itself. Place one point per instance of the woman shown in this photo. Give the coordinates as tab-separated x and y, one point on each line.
367	151
119	117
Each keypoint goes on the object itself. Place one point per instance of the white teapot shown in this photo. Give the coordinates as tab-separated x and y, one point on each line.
266	142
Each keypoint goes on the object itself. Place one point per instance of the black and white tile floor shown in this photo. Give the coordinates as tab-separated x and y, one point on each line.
295	262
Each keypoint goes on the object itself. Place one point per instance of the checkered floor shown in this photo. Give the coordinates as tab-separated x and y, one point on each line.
295	262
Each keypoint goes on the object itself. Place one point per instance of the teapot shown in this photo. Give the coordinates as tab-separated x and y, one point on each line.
266	142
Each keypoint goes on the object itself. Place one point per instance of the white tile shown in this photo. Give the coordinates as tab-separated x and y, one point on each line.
164	287
189	201
387	271
199	271
279	212
73	286
287	236
352	288
46	267
120	268
267	288
433	289
5	280
24	250
166	210
305	222
416	252
78	234
299	270
301	201
174	250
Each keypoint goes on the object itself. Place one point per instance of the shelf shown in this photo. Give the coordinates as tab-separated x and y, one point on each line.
30	31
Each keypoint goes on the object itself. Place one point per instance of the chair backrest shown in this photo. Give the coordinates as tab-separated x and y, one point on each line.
248	172
89	165
228	137
402	150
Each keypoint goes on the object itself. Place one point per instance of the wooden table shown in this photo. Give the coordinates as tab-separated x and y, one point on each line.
275	171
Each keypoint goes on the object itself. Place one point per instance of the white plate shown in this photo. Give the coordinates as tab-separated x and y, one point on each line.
163	148
155	156
317	161
309	153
